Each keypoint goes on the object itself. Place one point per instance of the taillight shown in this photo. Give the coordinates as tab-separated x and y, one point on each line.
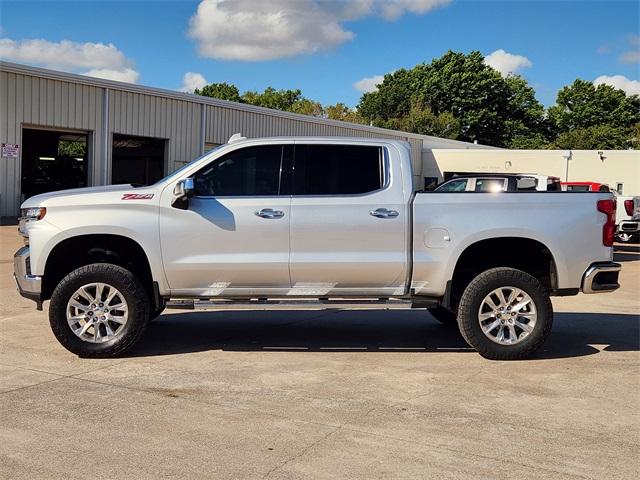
608	207
628	207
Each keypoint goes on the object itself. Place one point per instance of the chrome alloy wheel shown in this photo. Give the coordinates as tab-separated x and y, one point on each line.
507	315
97	312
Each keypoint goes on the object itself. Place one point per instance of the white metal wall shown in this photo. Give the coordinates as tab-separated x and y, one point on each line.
39	102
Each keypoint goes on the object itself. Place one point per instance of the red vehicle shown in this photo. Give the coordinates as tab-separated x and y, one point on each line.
584	187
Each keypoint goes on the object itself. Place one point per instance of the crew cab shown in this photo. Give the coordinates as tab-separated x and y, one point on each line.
323	222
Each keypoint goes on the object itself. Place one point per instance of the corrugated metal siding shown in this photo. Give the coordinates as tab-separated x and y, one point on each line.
38	102
176	121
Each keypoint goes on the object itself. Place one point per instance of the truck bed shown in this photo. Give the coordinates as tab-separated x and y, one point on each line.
446	224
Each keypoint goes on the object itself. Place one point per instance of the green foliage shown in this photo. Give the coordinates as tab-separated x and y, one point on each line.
223	91
488	107
67	148
458	96
421	119
595	117
271	98
605	137
342	112
583	105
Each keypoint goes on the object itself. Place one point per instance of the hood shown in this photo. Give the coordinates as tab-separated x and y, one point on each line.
72	195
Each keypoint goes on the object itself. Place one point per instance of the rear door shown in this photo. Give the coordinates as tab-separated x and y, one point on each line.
348	221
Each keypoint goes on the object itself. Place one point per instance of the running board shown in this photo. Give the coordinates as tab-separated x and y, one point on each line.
307	304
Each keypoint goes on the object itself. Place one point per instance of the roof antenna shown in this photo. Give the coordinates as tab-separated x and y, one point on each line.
236	137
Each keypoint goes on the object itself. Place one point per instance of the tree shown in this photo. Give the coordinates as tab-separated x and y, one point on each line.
489	108
223	91
587	116
420	119
605	137
342	112
583	105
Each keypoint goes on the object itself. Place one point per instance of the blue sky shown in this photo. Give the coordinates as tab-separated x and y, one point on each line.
323	47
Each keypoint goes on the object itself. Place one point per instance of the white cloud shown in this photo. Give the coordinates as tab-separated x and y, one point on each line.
248	30
632	56
392	9
101	60
630	87
191	81
368	84
128	75
506	62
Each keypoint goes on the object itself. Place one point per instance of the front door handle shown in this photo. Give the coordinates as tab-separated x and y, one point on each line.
270	213
384	213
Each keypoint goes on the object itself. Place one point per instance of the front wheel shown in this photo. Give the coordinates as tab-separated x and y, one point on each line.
99	310
505	314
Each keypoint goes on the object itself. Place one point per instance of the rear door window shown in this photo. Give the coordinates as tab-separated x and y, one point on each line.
337	169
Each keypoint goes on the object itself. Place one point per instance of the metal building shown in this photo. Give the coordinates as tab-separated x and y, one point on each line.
60	130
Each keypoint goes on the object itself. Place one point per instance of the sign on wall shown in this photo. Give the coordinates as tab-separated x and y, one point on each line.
9	150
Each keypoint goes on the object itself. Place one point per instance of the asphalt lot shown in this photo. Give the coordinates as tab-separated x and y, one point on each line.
333	394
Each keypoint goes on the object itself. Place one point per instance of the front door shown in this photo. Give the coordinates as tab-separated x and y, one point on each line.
233	239
348	222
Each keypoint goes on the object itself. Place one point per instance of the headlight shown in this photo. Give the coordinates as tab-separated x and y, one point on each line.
35	213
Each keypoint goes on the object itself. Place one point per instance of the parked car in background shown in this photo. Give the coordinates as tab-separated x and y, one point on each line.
628	229
500	182
584	187
311	221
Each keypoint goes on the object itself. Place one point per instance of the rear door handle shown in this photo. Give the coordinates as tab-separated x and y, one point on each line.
384	213
270	213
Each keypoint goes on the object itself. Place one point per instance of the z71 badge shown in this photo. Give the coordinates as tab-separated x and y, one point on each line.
137	196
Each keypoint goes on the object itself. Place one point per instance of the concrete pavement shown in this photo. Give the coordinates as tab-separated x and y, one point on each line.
333	394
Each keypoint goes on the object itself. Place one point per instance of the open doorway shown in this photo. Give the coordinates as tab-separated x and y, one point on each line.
137	160
53	160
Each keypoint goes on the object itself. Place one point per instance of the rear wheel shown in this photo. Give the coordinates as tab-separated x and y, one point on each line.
99	310
443	315
505	314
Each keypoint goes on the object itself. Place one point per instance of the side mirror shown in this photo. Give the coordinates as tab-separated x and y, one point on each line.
184	188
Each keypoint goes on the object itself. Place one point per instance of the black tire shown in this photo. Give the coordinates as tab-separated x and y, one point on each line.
474	295
123	280
443	315
158	311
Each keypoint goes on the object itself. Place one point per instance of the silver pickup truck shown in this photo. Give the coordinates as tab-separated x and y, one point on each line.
321	222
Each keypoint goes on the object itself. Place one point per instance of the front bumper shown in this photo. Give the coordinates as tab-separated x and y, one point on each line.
601	277
29	286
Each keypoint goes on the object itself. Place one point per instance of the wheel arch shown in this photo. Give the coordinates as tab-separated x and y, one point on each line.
523	253
80	250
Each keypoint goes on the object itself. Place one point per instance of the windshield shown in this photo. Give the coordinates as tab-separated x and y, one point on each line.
178	172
